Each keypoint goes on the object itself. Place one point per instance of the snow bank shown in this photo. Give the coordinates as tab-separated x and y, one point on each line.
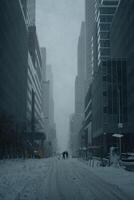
114	175
15	175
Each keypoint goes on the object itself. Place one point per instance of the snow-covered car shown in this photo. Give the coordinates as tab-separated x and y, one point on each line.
127	161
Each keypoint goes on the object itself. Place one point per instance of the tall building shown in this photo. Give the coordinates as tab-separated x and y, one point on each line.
46	98
89	21
81	59
24	7
29	11
13	69
52	125
109	96
122	41
109	102
104	15
73	137
90	6
49	76
31	7
80	82
44	63
44	90
21	69
80	89
79	110
13	103
34	76
48	106
87	128
106	91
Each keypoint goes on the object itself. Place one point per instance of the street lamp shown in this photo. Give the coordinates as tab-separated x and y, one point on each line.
120	124
104	143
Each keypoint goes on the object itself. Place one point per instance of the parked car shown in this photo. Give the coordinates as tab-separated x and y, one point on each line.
127	161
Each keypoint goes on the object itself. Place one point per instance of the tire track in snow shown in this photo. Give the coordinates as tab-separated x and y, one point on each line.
98	187
65	182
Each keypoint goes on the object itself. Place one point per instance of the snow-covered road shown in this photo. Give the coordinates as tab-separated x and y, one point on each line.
53	179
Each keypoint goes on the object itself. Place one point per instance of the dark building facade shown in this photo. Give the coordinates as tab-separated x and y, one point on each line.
122	45
88	117
20	77
99	50
89	23
104	14
13	67
34	75
109	102
109	82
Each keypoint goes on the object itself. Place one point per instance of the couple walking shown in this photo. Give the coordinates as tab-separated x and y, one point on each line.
65	155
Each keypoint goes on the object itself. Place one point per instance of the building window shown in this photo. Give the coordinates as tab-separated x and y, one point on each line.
104	93
105	109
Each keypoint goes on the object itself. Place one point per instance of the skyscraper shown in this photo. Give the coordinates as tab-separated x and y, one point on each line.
101	103
104	14
109	80
31	7
80	88
48	107
49	77
13	75
73	137
81	56
44	62
122	45
21	71
44	90
80	81
89	21
34	76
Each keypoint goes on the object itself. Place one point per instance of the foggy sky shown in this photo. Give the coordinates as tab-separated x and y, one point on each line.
58	25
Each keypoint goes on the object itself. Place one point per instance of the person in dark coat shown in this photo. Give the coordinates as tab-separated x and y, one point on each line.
65	154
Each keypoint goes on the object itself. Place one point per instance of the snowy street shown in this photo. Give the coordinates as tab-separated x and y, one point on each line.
53	179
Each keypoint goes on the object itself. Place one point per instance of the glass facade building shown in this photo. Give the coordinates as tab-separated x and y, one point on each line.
109	86
34	75
109	100
104	15
31	10
89	21
122	45
20	72
88	116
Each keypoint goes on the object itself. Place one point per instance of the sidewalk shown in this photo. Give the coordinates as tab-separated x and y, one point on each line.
114	175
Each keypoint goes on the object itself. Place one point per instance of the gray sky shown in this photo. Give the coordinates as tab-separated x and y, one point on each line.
58	23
